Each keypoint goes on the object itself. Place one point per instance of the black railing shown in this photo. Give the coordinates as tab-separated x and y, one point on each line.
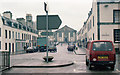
5	59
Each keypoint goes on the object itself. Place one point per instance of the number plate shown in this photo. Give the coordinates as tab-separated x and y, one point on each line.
102	57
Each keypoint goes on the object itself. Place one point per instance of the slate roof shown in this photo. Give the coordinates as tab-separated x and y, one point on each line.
66	28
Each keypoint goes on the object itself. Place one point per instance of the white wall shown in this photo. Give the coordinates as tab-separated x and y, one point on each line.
106	13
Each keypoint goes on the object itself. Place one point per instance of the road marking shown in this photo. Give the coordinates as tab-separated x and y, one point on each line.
78	70
117	70
79	62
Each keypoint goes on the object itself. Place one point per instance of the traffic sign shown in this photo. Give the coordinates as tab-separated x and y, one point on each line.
54	22
46	7
45	33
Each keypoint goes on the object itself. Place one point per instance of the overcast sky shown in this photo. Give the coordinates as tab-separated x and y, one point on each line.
72	12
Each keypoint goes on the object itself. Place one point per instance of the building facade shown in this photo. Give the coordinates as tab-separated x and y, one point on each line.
14	35
103	23
65	35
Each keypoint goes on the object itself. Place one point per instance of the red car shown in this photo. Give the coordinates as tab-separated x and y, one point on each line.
100	53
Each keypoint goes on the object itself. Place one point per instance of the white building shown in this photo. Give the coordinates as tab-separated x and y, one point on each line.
65	35
14	36
103	23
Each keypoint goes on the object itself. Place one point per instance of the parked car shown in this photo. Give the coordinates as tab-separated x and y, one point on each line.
35	49
29	50
42	48
52	48
71	47
100	53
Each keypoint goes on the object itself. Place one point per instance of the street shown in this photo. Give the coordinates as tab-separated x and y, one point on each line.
62	54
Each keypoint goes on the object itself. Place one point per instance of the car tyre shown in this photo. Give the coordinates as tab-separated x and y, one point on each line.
89	66
112	67
26	51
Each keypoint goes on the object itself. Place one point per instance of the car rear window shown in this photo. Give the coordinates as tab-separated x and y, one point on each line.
102	46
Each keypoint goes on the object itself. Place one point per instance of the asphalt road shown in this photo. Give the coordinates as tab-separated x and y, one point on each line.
62	54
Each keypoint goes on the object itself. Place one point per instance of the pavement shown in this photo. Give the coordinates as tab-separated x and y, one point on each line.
43	64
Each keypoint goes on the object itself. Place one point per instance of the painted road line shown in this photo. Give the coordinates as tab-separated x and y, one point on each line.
117	70
77	71
79	62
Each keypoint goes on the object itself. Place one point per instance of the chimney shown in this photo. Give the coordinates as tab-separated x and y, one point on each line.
29	17
7	14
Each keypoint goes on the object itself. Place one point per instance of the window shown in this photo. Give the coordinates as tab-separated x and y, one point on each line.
71	34
24	27
0	44
9	23
60	34
5	46
0	32
116	16
93	21
9	34
15	25
13	47
27	29
5	33
116	35
20	26
10	47
22	36
102	46
16	35
13	34
93	36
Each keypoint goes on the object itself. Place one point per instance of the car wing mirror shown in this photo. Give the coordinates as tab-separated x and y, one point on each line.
76	48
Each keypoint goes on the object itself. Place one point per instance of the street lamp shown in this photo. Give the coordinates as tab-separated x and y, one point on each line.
46	10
